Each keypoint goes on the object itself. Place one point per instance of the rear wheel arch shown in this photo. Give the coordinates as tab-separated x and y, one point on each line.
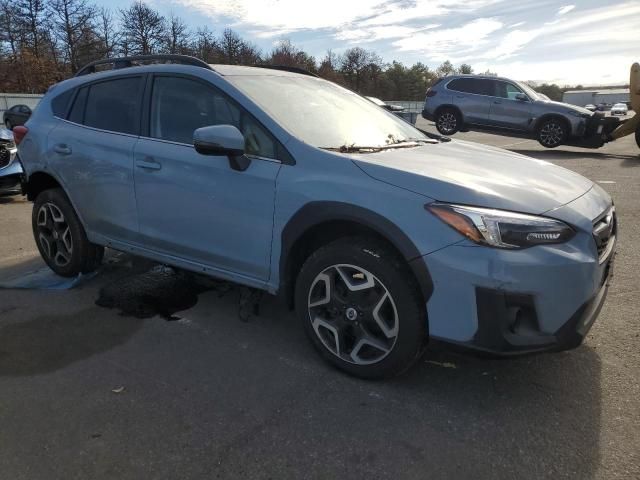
319	223
449	106
39	182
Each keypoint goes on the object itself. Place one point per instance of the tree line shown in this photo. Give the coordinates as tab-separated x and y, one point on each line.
45	41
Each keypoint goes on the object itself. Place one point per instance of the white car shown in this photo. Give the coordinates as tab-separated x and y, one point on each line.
591	107
619	109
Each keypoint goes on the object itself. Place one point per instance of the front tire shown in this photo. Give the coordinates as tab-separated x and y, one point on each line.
552	133
448	121
361	308
60	236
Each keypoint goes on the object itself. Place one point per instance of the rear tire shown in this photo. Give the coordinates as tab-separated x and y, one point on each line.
361	308
638	135
60	236
552	133
448	121
7	124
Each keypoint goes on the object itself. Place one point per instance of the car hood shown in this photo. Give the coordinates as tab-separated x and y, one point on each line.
475	174
563	107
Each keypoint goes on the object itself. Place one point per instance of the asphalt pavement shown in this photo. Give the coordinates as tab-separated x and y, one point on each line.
142	373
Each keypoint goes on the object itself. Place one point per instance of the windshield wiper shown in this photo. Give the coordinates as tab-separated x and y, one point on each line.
409	143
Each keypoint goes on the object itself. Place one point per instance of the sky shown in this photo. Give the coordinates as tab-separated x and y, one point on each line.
588	42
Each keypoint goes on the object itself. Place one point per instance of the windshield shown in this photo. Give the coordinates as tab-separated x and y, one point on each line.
533	95
324	114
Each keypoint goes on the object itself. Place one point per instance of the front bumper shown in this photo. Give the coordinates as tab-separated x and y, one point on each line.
11	178
510	302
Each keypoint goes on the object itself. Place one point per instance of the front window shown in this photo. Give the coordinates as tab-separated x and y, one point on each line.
324	114
531	93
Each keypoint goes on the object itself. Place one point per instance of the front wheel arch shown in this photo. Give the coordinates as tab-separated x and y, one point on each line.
322	222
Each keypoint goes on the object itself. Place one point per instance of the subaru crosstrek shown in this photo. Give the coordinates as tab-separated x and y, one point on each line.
379	235
500	105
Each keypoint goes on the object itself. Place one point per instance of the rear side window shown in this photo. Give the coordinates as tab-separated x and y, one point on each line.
114	105
180	105
478	86
60	104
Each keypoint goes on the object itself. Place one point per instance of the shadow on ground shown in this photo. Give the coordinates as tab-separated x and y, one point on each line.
556	154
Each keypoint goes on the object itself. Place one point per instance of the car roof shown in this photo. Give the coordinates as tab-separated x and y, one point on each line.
237	70
479	77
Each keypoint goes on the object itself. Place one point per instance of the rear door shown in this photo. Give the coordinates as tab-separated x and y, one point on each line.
92	153
506	110
195	206
471	96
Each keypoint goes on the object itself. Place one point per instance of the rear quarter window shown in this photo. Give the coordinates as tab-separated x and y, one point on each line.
60	104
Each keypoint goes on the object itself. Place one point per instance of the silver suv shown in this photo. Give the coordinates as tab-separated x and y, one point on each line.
463	102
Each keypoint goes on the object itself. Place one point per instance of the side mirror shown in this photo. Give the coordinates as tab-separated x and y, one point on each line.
522	97
219	140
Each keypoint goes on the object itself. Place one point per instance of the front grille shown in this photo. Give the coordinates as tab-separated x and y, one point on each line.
604	232
5	155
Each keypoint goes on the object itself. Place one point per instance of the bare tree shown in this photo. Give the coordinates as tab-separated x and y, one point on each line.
285	53
178	36
143	29
31	14
233	50
107	32
72	26
204	45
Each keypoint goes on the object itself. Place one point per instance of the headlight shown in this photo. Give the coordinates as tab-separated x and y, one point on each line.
500	228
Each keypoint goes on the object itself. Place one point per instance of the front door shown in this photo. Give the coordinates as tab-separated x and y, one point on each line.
507	111
196	207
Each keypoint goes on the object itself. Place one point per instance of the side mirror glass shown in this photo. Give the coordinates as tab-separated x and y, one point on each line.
522	97
222	140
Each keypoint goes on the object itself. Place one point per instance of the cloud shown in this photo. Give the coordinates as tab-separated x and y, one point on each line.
441	44
566	9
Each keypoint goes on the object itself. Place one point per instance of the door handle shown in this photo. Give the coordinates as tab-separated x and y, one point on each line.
62	149
148	163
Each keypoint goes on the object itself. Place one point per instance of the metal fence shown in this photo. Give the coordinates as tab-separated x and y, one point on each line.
414	107
8	100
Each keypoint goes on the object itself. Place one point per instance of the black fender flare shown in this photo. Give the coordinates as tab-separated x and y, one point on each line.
318	212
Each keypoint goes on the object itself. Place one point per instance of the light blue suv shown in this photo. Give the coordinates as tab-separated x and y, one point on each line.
380	236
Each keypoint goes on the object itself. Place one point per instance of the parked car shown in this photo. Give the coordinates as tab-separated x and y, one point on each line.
619	109
591	107
16	115
379	235
10	168
386	106
603	107
501	105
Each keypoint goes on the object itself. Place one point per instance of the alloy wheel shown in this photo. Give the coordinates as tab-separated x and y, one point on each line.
54	235
353	314
551	134
447	122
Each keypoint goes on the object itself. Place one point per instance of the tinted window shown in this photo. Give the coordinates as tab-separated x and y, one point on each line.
114	105
179	106
506	90
477	86
24	109
60	103
77	111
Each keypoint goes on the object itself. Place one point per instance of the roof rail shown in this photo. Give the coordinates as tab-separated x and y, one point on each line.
285	68
124	62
